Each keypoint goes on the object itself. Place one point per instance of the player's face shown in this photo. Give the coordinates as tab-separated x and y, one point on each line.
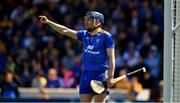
88	22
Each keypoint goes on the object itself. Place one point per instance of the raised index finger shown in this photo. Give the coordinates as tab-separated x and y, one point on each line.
42	16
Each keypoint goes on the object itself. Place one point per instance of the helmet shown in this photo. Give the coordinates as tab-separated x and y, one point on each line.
95	15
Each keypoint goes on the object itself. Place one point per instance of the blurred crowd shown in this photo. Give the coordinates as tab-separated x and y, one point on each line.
39	57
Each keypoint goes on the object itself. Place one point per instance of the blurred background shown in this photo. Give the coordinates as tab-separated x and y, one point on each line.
36	63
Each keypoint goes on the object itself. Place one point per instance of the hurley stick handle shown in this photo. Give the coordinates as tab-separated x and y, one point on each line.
119	78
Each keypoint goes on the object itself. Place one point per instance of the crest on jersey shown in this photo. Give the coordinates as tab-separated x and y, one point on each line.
97	40
87	38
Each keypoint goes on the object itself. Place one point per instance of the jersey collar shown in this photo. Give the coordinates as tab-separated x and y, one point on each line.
96	31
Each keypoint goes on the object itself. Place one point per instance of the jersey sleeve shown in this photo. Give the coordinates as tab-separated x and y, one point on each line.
109	42
80	34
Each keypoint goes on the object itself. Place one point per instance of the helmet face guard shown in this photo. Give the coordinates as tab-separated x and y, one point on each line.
95	15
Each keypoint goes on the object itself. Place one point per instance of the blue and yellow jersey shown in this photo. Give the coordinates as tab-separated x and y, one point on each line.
95	56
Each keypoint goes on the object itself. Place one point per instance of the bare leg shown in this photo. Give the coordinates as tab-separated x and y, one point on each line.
100	98
86	98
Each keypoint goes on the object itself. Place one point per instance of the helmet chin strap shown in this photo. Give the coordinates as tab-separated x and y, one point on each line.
91	30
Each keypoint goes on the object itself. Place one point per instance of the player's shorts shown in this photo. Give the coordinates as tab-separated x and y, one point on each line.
86	77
